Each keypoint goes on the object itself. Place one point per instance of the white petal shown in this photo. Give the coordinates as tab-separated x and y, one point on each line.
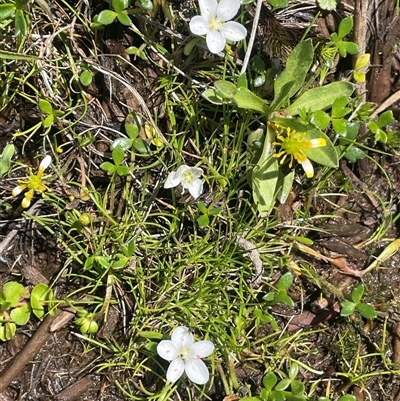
201	349
308	168
227	9
17	190
167	349
215	41
45	163
182	169
198	25
196	188
173	180
233	31
175	370
196	171
208	8
197	371
182	337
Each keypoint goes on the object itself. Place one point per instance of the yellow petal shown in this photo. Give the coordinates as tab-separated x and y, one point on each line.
308	168
17	190
44	164
317	142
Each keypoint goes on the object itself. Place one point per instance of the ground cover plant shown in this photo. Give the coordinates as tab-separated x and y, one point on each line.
199	201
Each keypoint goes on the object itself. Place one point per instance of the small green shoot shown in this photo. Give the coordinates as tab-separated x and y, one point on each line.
280	294
349	307
384	119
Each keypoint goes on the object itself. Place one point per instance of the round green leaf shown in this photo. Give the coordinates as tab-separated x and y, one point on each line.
355	154
348	308
367	311
119	5
106	17
297	387
124	19
86	78
12	292
124	143
269	380
45	106
21	315
357	293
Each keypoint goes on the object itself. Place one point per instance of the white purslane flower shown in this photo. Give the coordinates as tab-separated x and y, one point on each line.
214	22
188	177
185	356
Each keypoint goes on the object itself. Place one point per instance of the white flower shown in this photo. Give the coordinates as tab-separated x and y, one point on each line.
213	23
185	356
188	177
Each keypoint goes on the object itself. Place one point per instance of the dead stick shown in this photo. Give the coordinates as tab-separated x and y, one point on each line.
26	354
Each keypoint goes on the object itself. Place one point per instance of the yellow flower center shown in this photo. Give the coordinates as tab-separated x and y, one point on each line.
215	24
188	177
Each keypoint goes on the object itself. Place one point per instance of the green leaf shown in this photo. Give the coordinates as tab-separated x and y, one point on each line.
348	47
278	3
225	89
284	186
355	154
12	292
321	98
327	4
347	397
367	311
7	331
385	118
106	17
124	19
123	171
362	61
21	315
118	155
6	10
281	97
283	298
283	385
124	143
45	106
297	387
48	121
348	308
345	27
41	295
140	145
293	370
352	130
119	5
86	78
325	155
320	119
146	4
202	207
212	96
203	221
297	66
269	380
357	293
285	281
21	25
151	335
246	99
133	125
5	159
380	136
108	167
340	126
339	108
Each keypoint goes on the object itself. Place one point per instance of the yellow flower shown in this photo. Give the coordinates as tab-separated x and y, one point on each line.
34	183
294	144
